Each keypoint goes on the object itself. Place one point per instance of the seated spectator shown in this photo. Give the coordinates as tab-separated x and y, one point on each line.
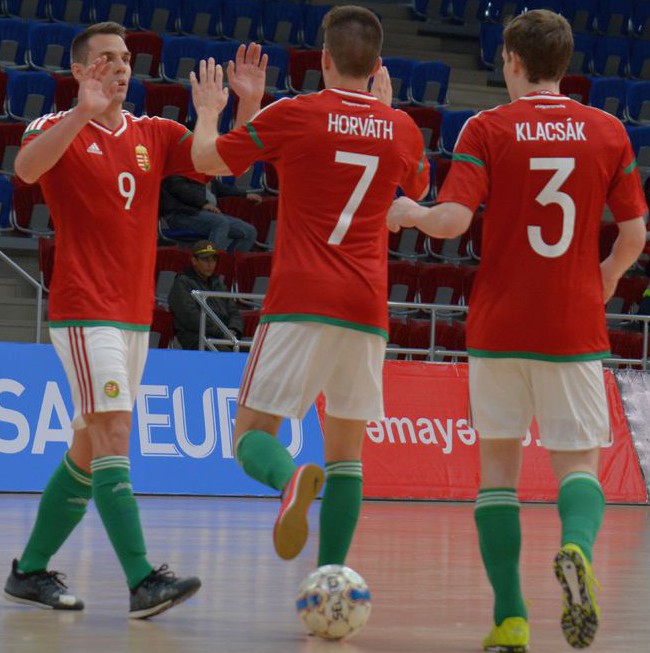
186	310
189	204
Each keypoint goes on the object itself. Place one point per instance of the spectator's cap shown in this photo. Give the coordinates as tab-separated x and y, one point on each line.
204	249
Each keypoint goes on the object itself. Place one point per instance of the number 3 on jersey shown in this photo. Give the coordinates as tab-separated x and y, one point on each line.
369	164
552	195
126	186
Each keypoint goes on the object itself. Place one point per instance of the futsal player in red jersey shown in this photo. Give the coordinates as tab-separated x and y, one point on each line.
340	156
544	166
100	170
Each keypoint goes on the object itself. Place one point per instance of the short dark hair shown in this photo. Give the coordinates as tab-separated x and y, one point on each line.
353	36
79	47
544	42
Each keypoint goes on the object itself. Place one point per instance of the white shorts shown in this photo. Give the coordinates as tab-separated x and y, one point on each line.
291	363
568	401
104	367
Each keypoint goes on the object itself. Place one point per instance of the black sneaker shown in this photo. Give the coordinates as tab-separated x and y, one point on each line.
159	591
43	589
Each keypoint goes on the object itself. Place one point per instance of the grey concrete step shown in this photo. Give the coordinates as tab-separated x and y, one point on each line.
16	287
18	308
21	331
471	96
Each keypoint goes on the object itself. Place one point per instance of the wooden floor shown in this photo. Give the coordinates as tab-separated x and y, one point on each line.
421	562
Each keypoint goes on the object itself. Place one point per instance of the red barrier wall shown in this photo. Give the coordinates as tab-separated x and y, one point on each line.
425	449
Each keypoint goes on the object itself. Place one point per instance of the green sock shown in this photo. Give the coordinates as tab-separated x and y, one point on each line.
265	459
581	505
497	518
116	504
339	512
62	506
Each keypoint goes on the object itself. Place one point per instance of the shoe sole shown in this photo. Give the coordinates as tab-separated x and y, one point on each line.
162	607
579	616
506	649
291	527
37	604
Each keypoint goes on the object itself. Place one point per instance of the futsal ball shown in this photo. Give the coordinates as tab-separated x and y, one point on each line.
333	602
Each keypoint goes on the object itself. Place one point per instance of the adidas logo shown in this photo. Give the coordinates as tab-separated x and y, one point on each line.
94	149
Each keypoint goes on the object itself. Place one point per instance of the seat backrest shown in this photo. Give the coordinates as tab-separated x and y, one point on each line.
241	20
29	94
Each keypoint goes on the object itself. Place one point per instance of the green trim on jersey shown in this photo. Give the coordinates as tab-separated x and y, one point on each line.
29	133
127	326
421	166
467	158
305	317
187	134
628	169
254	136
571	358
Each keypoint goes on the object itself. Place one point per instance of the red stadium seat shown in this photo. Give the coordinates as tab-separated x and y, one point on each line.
162	329
167	101
442	284
65	93
628	295
146	49
252	273
305	72
429	121
577	87
11	134
31	214
46	261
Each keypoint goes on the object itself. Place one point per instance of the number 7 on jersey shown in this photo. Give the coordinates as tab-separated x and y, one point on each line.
370	164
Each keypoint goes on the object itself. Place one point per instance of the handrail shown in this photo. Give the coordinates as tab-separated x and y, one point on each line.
230	339
39	291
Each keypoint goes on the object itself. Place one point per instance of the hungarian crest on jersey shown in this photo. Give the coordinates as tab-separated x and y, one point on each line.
142	158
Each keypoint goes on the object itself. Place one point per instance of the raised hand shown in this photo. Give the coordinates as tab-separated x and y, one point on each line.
96	87
247	74
208	93
382	88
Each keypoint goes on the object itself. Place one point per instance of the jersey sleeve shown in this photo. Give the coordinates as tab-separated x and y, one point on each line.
625	197
260	139
467	181
178	156
416	174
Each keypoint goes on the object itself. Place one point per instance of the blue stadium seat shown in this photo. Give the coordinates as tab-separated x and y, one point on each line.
465	11
159	16
583	54
221	51
490	43
640	20
180	56
640	139
611	56
201	18
452	123
637	102
608	94
498	11
429	83
6	197
400	70
639	67
613	17
26	9
48	46
312	19
276	70
13	43
29	94
74	12
120	11
135	96
530	5
581	14
282	23
241	19
420	8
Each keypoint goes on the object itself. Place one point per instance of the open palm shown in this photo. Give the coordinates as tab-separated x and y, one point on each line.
96	87
247	74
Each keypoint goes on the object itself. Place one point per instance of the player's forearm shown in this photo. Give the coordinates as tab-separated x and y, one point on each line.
205	156
626	249
42	154
245	111
446	220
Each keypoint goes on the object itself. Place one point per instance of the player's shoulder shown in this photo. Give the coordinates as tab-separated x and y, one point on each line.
154	123
45	121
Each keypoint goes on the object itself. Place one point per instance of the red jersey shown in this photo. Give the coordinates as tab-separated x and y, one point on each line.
103	197
340	156
545	166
